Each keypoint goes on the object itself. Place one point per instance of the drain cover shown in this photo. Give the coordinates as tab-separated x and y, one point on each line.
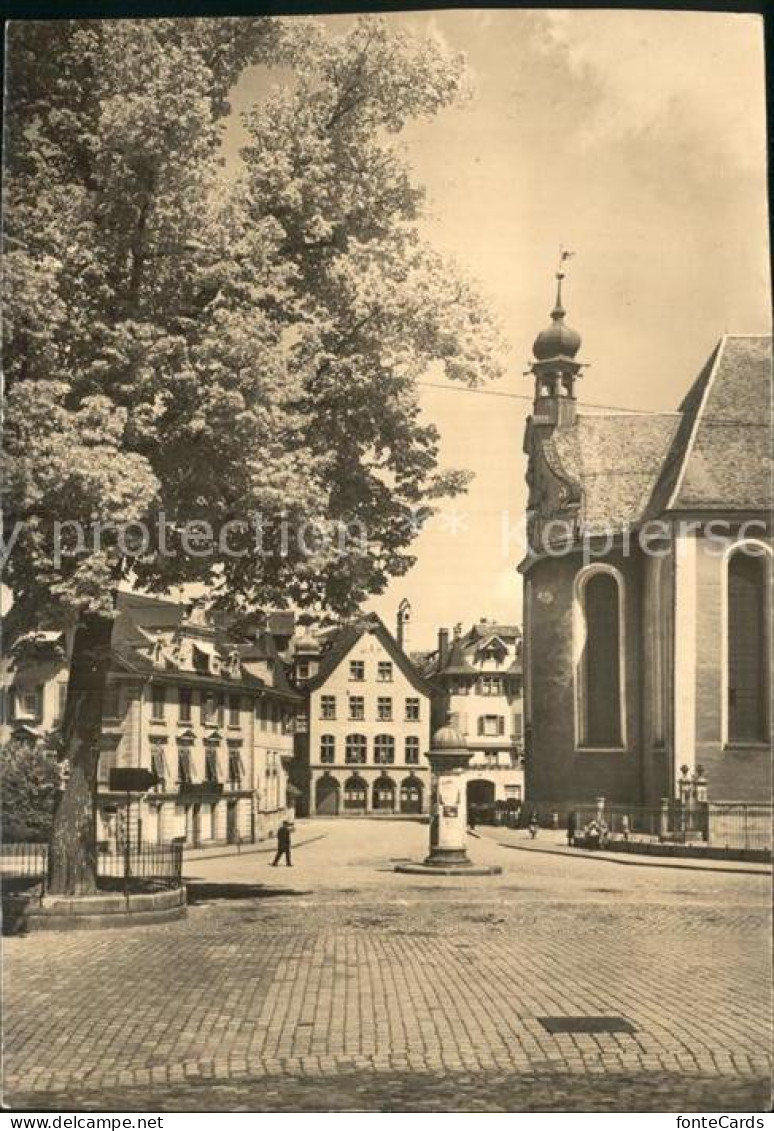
586	1024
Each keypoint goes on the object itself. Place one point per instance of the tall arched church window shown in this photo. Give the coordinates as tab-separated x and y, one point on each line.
747	646
600	659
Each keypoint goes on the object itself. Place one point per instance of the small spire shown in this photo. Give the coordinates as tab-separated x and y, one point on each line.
559	312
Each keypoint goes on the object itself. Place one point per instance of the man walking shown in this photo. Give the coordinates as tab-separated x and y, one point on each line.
283	844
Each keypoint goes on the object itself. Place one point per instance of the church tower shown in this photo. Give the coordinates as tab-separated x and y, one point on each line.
554	368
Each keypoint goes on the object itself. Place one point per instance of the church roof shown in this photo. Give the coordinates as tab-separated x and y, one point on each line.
616	460
713	454
721	455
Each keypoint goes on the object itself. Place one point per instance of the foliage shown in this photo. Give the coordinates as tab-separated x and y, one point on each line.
183	348
30	785
211	351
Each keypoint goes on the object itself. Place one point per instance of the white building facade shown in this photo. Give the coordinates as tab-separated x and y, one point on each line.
367	732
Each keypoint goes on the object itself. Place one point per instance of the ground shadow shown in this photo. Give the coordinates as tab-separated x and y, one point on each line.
207	891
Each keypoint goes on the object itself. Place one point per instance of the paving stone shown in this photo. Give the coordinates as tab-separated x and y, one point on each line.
355	990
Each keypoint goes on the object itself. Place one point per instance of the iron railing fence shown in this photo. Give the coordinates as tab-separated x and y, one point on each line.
158	864
732	825
23	859
739	825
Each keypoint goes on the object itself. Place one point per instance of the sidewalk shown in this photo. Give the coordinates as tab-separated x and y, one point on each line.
554	842
267	847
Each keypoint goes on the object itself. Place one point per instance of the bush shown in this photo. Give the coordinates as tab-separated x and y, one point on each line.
30	786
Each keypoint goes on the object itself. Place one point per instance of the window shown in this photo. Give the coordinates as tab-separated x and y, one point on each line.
355	794
327	706
412	750
384	671
356	707
158	702
27	702
355	748
184	769
159	764
357	670
459	687
490	759
513	793
384	709
234	711
111	702
412	710
328	748
62	701
236	770
600	663
490	685
384	749
491	726
212	709
747	648
302	669
211	773
184	704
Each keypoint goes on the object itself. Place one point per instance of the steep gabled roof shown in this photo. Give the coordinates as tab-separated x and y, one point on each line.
343	641
456	663
616	459
721	457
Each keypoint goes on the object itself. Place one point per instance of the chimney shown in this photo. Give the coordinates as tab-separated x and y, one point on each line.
443	647
402	626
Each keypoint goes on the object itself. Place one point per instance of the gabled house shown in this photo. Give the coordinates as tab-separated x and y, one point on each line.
362	749
478	677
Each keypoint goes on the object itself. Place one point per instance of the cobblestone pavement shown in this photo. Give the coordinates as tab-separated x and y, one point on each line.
340	985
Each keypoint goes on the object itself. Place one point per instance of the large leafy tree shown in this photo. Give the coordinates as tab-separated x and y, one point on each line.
31	783
180	348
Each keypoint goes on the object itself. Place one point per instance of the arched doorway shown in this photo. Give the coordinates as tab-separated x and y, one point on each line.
355	795
384	794
411	795
481	792
481	801
327	796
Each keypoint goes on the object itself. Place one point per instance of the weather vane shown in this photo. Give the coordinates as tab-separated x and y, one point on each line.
564	254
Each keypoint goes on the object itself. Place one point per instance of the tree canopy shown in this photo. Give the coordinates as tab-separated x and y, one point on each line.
216	348
200	368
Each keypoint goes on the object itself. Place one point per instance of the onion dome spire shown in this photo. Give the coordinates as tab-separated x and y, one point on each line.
558	340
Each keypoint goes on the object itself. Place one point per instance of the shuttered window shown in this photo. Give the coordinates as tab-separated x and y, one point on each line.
747	681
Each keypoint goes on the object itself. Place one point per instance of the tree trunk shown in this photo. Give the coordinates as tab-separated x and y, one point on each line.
73	853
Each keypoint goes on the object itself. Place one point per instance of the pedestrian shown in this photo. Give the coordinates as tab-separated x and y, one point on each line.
572	825
533	824
472	819
283	844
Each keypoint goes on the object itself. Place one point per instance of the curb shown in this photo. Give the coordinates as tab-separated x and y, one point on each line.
652	862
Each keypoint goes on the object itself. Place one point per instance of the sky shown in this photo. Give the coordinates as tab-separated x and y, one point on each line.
637	140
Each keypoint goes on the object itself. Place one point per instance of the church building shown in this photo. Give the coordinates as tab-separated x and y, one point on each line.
647	584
